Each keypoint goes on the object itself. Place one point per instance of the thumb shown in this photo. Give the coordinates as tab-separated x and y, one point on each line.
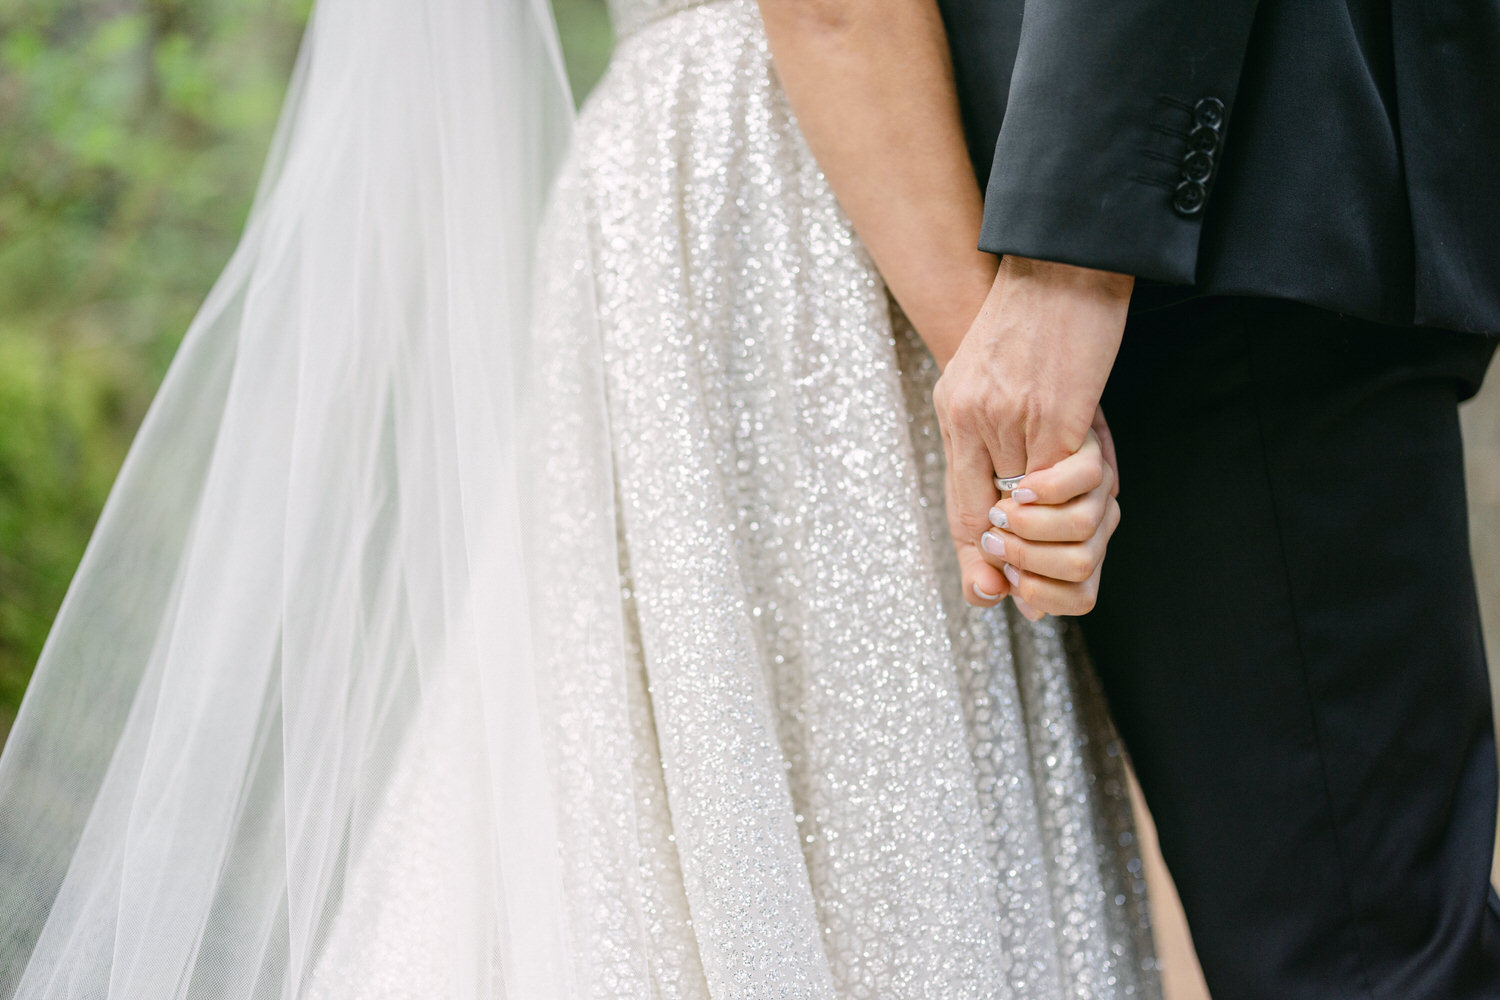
984	585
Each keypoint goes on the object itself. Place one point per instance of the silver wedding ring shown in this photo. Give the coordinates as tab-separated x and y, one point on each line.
1007	483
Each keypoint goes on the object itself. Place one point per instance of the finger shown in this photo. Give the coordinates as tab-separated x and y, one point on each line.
1007	453
1074	521
1075	475
983	585
1053	597
1066	562
1027	611
1107	445
970	489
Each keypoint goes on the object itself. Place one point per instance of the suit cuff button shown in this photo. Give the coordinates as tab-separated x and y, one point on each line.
1189	197
1197	166
1209	113
1203	139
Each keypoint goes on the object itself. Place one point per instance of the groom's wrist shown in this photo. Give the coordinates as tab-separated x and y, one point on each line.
1066	277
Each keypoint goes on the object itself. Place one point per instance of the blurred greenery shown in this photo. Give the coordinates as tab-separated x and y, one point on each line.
131	137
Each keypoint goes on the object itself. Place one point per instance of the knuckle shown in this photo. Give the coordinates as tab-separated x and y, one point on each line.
940	391
996	408
1082	523
1080	566
1094	473
1090	596
962	413
942	397
1111	517
965	396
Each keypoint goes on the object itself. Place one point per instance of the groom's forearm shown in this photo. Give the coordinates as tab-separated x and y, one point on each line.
1114	122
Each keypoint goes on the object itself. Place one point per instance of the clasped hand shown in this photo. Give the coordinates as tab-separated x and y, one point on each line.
1021	394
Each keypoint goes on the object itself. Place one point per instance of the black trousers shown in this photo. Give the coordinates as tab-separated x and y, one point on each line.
1288	634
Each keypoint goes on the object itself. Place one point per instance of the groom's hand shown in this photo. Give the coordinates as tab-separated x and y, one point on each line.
1022	391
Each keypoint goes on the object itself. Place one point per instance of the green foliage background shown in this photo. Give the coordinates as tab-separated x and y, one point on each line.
131	137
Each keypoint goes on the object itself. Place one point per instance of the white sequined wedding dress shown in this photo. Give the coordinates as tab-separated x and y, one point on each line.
826	776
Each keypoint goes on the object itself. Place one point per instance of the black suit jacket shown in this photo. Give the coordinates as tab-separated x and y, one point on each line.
1344	153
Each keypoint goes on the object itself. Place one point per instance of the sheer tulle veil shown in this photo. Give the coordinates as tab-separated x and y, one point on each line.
317	554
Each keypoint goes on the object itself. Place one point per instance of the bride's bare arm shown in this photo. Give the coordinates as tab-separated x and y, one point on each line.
872	87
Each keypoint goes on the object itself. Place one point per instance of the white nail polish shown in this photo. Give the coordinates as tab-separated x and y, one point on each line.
998	518
993	544
983	595
1011	574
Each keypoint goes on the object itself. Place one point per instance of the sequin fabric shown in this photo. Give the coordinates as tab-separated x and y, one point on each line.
825	775
791	761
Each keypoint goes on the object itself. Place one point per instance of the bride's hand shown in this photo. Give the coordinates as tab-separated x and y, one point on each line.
1048	538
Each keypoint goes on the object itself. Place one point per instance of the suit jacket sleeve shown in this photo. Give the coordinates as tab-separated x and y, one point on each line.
1117	113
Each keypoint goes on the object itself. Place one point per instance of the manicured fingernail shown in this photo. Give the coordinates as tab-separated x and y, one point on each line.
998	518
1025	609
992	543
982	595
1024	495
1011	574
